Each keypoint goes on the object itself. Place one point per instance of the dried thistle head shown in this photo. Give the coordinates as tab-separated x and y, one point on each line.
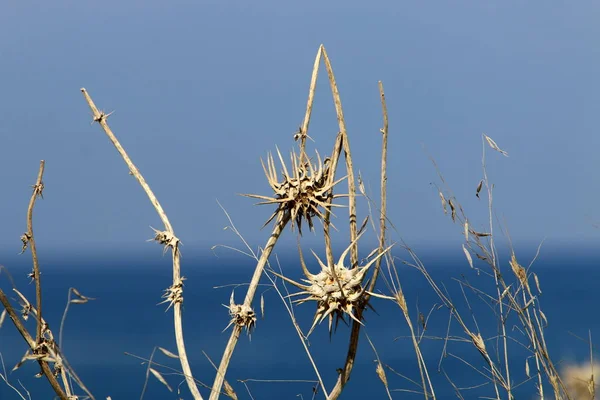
299	195
338	290
241	315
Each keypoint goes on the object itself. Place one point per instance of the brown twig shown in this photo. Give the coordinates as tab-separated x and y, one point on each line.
32	345
174	294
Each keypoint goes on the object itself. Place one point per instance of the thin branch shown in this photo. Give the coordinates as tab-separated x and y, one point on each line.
168	238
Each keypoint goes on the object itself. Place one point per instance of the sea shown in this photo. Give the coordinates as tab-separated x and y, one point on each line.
109	340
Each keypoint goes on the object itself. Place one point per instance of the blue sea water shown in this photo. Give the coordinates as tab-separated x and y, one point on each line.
125	318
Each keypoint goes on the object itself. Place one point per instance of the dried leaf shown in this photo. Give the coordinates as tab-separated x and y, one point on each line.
262	306
443	202
81	298
469	259
494	146
452	209
168	353
2	317
23	359
527	368
505	292
480	234
537	283
544	318
479	186
229	392
466	230
162	380
363	225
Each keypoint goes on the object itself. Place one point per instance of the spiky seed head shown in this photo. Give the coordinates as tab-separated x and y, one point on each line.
301	194
338	291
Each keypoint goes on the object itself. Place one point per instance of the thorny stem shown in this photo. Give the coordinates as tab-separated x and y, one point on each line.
32	345
282	221
30	241
100	117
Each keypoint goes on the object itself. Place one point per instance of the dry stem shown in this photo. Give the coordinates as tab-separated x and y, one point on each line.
349	168
383	209
28	240
282	221
309	104
176	301
32	345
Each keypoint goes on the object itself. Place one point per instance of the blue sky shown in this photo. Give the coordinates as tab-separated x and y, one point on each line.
202	90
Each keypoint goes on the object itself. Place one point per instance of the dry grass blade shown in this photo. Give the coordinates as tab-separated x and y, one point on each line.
168	353
167	238
494	146
468	255
160	378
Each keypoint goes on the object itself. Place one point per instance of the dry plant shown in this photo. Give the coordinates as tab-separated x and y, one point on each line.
305	191
514	302
341	290
42	348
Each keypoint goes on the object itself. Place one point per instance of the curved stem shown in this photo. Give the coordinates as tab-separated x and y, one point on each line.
177	287
29	240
